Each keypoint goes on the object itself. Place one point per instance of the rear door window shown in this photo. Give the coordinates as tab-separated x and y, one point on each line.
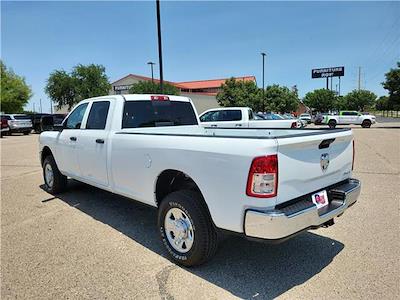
229	115
144	113
98	115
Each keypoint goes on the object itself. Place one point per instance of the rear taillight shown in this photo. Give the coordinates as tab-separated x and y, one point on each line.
263	177
354	154
294	125
159	98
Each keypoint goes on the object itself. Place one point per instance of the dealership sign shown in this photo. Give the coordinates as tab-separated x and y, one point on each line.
122	87
327	72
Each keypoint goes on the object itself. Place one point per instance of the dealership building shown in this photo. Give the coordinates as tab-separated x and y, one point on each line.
202	92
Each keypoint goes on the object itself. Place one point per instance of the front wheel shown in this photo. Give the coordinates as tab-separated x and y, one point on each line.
366	124
186	228
54	181
332	124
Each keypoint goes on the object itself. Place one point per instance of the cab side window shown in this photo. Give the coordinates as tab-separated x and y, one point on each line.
74	120
98	115
208	117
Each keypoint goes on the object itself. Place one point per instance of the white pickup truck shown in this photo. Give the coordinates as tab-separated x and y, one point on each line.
259	183
240	117
349	118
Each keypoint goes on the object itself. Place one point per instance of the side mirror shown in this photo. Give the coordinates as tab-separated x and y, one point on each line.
58	127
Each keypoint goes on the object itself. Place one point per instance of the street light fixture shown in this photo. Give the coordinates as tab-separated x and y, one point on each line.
263	73
151	66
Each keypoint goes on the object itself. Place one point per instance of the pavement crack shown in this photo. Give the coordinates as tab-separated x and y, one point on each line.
162	280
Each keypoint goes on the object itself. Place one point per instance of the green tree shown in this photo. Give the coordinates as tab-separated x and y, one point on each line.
91	81
340	103
281	99
82	83
382	103
359	99
15	93
240	93
148	87
61	88
321	100
392	84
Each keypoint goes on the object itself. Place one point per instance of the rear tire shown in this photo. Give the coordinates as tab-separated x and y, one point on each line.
332	123
366	124
183	216
54	181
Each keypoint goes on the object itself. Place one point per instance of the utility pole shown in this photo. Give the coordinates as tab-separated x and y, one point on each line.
359	78
151	65
40	100
51	106
159	45
263	82
33	107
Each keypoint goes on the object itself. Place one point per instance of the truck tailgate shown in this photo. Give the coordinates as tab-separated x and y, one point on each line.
310	163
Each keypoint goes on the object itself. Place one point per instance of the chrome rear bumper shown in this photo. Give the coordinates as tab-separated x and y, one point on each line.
285	221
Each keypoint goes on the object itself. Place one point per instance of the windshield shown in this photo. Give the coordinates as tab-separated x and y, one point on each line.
157	113
21	117
273	117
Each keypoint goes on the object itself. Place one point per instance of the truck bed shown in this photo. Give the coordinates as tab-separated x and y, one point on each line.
222	132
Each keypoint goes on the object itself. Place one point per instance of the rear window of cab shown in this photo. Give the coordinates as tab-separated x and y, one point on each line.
145	113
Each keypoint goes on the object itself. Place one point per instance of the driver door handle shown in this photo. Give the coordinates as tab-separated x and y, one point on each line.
73	138
100	141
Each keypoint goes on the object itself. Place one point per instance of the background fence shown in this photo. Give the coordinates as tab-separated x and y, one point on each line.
387	113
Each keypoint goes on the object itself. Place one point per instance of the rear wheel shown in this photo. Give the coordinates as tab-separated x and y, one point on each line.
186	228
54	181
332	123
366	124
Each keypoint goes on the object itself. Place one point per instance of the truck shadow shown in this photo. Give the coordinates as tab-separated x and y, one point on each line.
244	268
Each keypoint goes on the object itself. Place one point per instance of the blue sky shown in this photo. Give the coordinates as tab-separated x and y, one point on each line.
204	40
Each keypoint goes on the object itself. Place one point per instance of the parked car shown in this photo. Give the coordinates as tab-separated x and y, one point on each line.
5	129
36	119
18	123
348	118
43	122
306	118
300	123
272	116
59	118
319	118
258	183
241	117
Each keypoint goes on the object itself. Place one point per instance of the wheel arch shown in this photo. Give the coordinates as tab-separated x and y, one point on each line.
171	180
46	151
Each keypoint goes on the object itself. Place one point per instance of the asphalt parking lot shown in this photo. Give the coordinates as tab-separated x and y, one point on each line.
88	243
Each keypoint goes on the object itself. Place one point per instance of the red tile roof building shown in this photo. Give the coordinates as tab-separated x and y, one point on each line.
206	87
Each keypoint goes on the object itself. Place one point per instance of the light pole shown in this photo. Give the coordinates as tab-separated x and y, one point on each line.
152	74
263	83
159	44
